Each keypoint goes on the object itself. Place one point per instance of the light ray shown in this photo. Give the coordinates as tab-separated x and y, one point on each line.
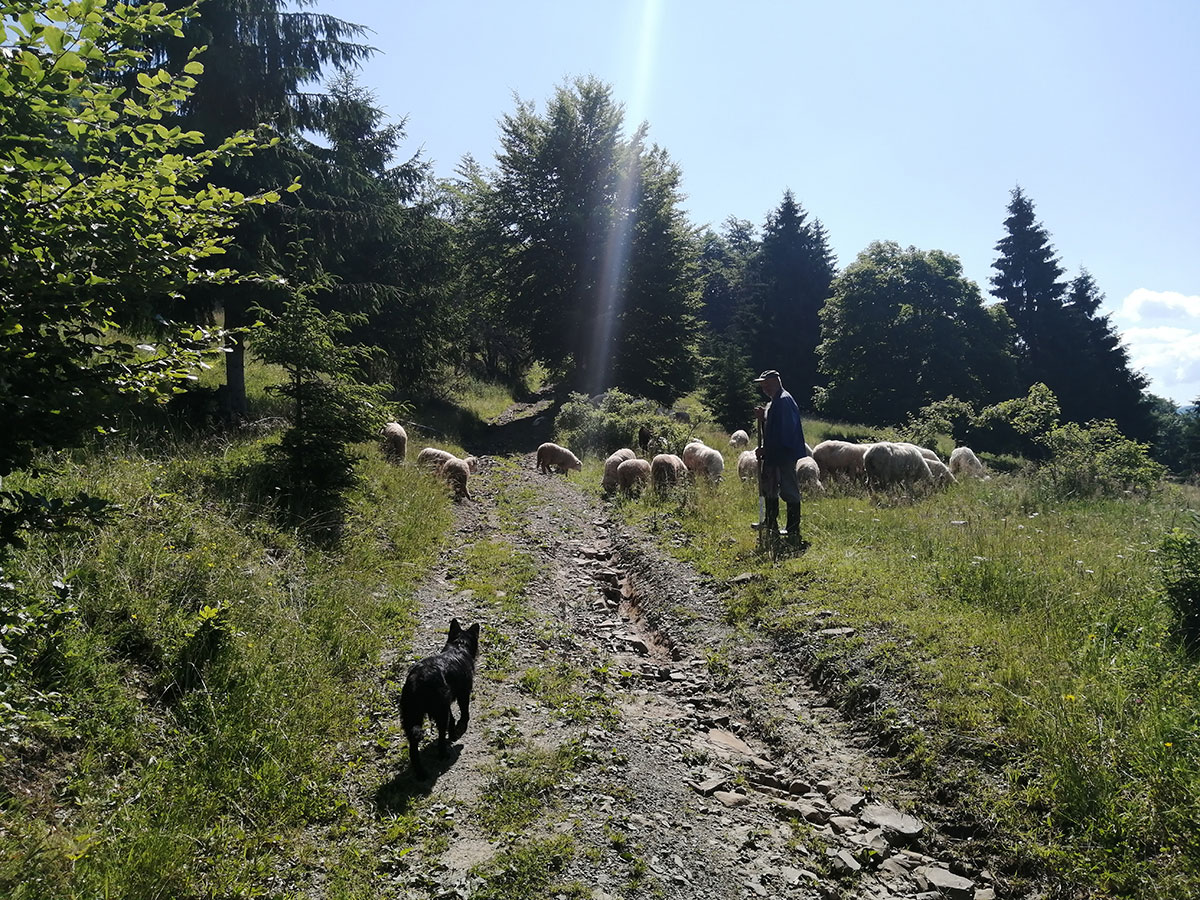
613	279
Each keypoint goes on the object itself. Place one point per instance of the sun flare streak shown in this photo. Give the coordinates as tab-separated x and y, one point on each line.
613	282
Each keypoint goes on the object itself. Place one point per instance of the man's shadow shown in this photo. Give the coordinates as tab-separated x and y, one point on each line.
394	796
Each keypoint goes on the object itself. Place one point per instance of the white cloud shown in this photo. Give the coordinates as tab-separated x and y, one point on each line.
1161	330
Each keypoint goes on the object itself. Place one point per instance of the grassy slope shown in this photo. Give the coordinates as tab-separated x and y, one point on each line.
1032	639
180	722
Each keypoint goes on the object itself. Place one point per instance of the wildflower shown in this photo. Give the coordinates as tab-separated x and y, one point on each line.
1168	744
1070	698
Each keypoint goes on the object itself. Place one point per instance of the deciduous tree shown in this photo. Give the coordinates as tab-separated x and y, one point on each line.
102	205
905	328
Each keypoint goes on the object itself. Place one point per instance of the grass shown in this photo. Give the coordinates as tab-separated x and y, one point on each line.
180	717
484	399
1030	640
522	785
527	870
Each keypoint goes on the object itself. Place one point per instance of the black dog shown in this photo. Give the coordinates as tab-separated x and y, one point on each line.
430	686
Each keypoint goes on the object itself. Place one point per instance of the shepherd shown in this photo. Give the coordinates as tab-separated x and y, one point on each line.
781	443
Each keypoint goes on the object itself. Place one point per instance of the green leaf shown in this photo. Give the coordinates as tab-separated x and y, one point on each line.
70	62
194	68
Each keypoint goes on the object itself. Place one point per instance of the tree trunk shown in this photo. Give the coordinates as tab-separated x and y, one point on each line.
235	358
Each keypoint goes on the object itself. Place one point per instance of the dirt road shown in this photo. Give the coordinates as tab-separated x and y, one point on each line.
626	742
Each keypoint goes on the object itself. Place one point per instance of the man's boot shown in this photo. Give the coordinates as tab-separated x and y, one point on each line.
793	527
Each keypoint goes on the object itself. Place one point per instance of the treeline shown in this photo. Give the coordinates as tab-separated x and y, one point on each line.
573	250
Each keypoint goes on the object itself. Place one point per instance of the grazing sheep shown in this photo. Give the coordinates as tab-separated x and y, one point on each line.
694	446
840	458
747	466
456	472
666	469
472	464
645	436
808	473
942	476
889	463
964	462
433	458
609	481
739	439
708	462
632	474
395	440
552	455
927	453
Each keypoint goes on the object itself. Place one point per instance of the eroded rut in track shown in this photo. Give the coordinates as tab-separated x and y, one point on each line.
704	763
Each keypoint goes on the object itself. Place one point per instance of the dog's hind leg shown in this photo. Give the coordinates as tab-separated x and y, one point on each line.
414	751
445	726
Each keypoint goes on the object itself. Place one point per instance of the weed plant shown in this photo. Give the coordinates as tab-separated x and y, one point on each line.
1029	638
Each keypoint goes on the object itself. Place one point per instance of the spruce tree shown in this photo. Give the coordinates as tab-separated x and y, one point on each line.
262	64
595	255
1028	281
791	278
1063	340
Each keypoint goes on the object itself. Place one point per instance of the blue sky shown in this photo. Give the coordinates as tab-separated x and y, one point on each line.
889	121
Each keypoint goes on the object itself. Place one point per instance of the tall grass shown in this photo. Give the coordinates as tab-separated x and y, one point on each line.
1031	638
209	669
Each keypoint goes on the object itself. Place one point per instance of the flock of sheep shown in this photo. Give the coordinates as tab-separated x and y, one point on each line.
454	471
879	465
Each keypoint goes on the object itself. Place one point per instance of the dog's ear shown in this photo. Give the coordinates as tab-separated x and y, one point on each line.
455	628
473	631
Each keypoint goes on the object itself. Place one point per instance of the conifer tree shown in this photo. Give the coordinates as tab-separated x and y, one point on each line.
262	64
792	275
1028	281
595	255
1062	339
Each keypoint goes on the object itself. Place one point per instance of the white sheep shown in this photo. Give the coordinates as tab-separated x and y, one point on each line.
840	458
456	472
739	439
942	476
395	440
632	474
747	466
808	473
964	462
708	462
609	481
694	446
889	463
552	455
433	458
927	453
666	469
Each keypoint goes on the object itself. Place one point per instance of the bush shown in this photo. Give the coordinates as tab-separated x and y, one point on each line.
1179	559
611	421
1096	459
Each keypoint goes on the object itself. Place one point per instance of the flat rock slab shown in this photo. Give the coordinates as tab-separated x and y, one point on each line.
729	741
727	798
892	821
946	882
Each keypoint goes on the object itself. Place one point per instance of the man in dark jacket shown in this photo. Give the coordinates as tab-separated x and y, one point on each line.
782	444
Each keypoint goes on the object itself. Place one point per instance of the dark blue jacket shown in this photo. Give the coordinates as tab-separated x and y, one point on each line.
783	435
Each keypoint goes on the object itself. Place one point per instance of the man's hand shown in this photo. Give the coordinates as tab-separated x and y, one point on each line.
758	453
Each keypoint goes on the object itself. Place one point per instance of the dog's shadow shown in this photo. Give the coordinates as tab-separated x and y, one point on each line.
394	796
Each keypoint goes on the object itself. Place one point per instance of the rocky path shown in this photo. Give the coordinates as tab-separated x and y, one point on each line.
687	759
